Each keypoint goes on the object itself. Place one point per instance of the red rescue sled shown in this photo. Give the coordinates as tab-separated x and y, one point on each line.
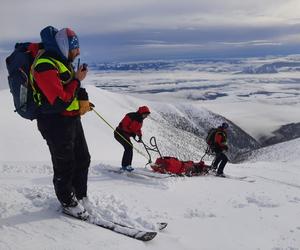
172	165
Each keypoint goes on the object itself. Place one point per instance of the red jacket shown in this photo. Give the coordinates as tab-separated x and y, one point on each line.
57	97
132	123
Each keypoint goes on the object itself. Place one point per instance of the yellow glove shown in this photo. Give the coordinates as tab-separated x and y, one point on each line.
84	106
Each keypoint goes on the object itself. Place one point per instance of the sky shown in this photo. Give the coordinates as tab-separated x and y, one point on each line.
121	30
132	30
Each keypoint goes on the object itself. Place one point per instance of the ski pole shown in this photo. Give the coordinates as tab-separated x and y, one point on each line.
206	151
101	117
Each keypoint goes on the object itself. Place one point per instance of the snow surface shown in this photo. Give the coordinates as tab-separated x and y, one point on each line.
202	212
283	152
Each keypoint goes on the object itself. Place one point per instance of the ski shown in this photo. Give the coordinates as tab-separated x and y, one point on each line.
126	173
152	174
160	225
239	178
138	173
226	176
128	231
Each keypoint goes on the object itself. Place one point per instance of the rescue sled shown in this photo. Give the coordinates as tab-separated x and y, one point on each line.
172	165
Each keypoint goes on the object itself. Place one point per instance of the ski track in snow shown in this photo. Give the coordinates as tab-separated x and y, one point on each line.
30	214
279	182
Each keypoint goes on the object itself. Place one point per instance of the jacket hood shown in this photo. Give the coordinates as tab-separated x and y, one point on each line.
143	110
50	44
66	40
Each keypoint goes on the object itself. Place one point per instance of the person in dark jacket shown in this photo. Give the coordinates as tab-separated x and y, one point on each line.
219	146
130	126
61	101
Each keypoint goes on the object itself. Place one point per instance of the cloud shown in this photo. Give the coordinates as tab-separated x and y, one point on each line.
99	16
252	43
119	27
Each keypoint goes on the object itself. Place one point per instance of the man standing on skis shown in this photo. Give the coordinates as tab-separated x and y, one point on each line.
61	101
219	146
130	126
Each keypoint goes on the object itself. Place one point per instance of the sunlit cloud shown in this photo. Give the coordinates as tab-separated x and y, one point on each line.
161	45
252	43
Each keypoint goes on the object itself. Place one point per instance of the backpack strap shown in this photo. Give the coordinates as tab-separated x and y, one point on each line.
36	93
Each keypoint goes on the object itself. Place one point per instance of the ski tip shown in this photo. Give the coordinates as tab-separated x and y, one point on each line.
162	225
147	236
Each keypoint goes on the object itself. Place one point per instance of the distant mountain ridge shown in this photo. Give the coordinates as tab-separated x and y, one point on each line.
284	133
272	68
239	66
212	65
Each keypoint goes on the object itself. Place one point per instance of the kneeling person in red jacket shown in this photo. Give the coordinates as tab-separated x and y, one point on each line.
130	126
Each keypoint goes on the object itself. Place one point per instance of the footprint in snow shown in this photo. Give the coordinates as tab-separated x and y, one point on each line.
262	201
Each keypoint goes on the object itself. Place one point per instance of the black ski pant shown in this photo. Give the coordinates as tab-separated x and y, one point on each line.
69	153
128	150
220	161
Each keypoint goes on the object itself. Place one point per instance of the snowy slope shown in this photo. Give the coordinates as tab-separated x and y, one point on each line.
281	152
203	212
20	134
180	129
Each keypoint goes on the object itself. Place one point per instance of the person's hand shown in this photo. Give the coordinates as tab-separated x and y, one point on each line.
84	106
80	74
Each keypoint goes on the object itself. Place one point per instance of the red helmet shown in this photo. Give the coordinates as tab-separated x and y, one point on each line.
144	110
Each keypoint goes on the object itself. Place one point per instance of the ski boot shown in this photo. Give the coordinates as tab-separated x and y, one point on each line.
127	168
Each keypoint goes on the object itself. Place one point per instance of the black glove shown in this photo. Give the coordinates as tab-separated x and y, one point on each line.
139	138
